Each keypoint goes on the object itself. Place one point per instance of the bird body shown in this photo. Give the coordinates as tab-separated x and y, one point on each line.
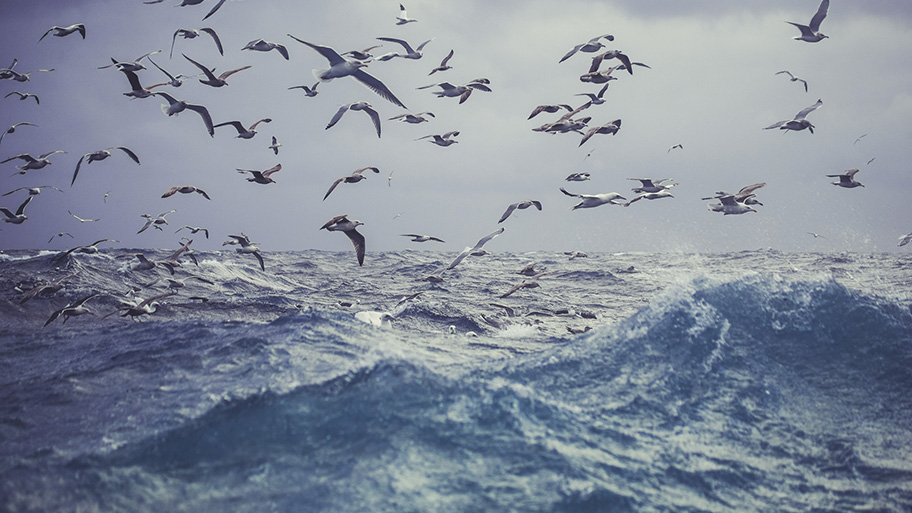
442	140
244	133
595	200
262	177
522	205
847	179
65	31
261	45
798	122
101	155
349	227
355	177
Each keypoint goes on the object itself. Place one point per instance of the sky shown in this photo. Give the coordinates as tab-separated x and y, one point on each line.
711	87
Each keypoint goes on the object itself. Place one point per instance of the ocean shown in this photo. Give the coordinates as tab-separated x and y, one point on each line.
754	381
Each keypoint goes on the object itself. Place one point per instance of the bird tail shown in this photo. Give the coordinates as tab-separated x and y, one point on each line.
319	74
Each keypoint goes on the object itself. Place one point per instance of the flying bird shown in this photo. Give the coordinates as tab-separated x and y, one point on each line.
60	234
403	18
443	64
32	162
811	32
13	128
275	145
191	33
595	200
847	179
261	45
24	96
416	237
136	88
549	108
362	106
211	79
412	118
349	228
134	65
442	140
65	31
522	205
33	191
729	206
745	195
19	216
101	155
676	146
175	107
362	55
578	177
608	128
244	133
593	45
341	67
262	177
665	193
793	78
185	3
903	240
185	189
73	309
448	90
476	250
650	185
410	53
310	92
355	177
798	122
194	230
597	98
82	219
155	221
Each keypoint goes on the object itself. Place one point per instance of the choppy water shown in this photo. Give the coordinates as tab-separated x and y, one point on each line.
753	381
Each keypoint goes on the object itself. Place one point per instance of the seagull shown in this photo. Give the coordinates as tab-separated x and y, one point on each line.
173	81
91	249
310	92
650	185
860	137
247	248
531	283
676	146
8	73
798	123
478	249
263	177
811	32
24	96
847	179
651	196
598	98
73	309
362	55
599	77
134	65
443	64
565	122
729	206
594	200
593	45
421	238
442	140
13	128
136	88
45	288
403	18
578	177
903	240
19	217
155	221
549	108
194	229
211	79
33	191
185	189
341	67
343	224
355	177
744	195
522	205
816	235
244	133
101	155
185	3
65	31
410	53
176	106
191	33
448	90
82	219
611	54
608	128
261	45
145	307
275	145
794	78
362	106
412	118
33	162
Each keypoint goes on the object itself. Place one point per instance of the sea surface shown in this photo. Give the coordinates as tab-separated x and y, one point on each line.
755	381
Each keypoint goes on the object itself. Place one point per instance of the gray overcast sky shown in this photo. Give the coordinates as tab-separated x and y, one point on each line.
712	88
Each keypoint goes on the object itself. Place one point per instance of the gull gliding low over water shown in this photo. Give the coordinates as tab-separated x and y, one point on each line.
417	237
595	200
248	248
522	205
477	249
348	227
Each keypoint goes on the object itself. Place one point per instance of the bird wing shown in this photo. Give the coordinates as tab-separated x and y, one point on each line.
337	116
145	226
749	189
21	209
218	43
804	112
507	213
204	113
377	86
851	172
257	122
777	124
805	30
219	4
274	169
819	15
446	59
358	241
363	169
225	75
459	258
260	260
332	188
128	151
785	71
204	69
571	52
78	164
484	240
331	55
401	42
374	117
333	221
570	193
171	191
728	200
236	124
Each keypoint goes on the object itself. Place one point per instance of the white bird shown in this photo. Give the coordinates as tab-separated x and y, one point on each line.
650	185
593	45
32	162
90	249
448	90
248	248
194	229
597	98
136	88
82	219
341	67
185	189
728	206
403	18
608	128
811	32
65	31
355	177
191	33
578	177
244	133
417	237
19	216
665	193
73	309
185	3
211	79
348	227
793	78
903	240
745	195
798	122
134	65
362	106
847	179
478	249
410	53
60	234
310	92
594	200
522	205
24	96
275	145
262	177
442	140
176	106
443	64
145	307
550	109
13	128
155	221
33	191
412	118
101	155
261	45
362	55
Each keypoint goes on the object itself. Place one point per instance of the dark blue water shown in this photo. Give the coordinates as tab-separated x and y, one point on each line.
702	386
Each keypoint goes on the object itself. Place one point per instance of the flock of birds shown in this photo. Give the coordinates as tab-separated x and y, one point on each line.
352	64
